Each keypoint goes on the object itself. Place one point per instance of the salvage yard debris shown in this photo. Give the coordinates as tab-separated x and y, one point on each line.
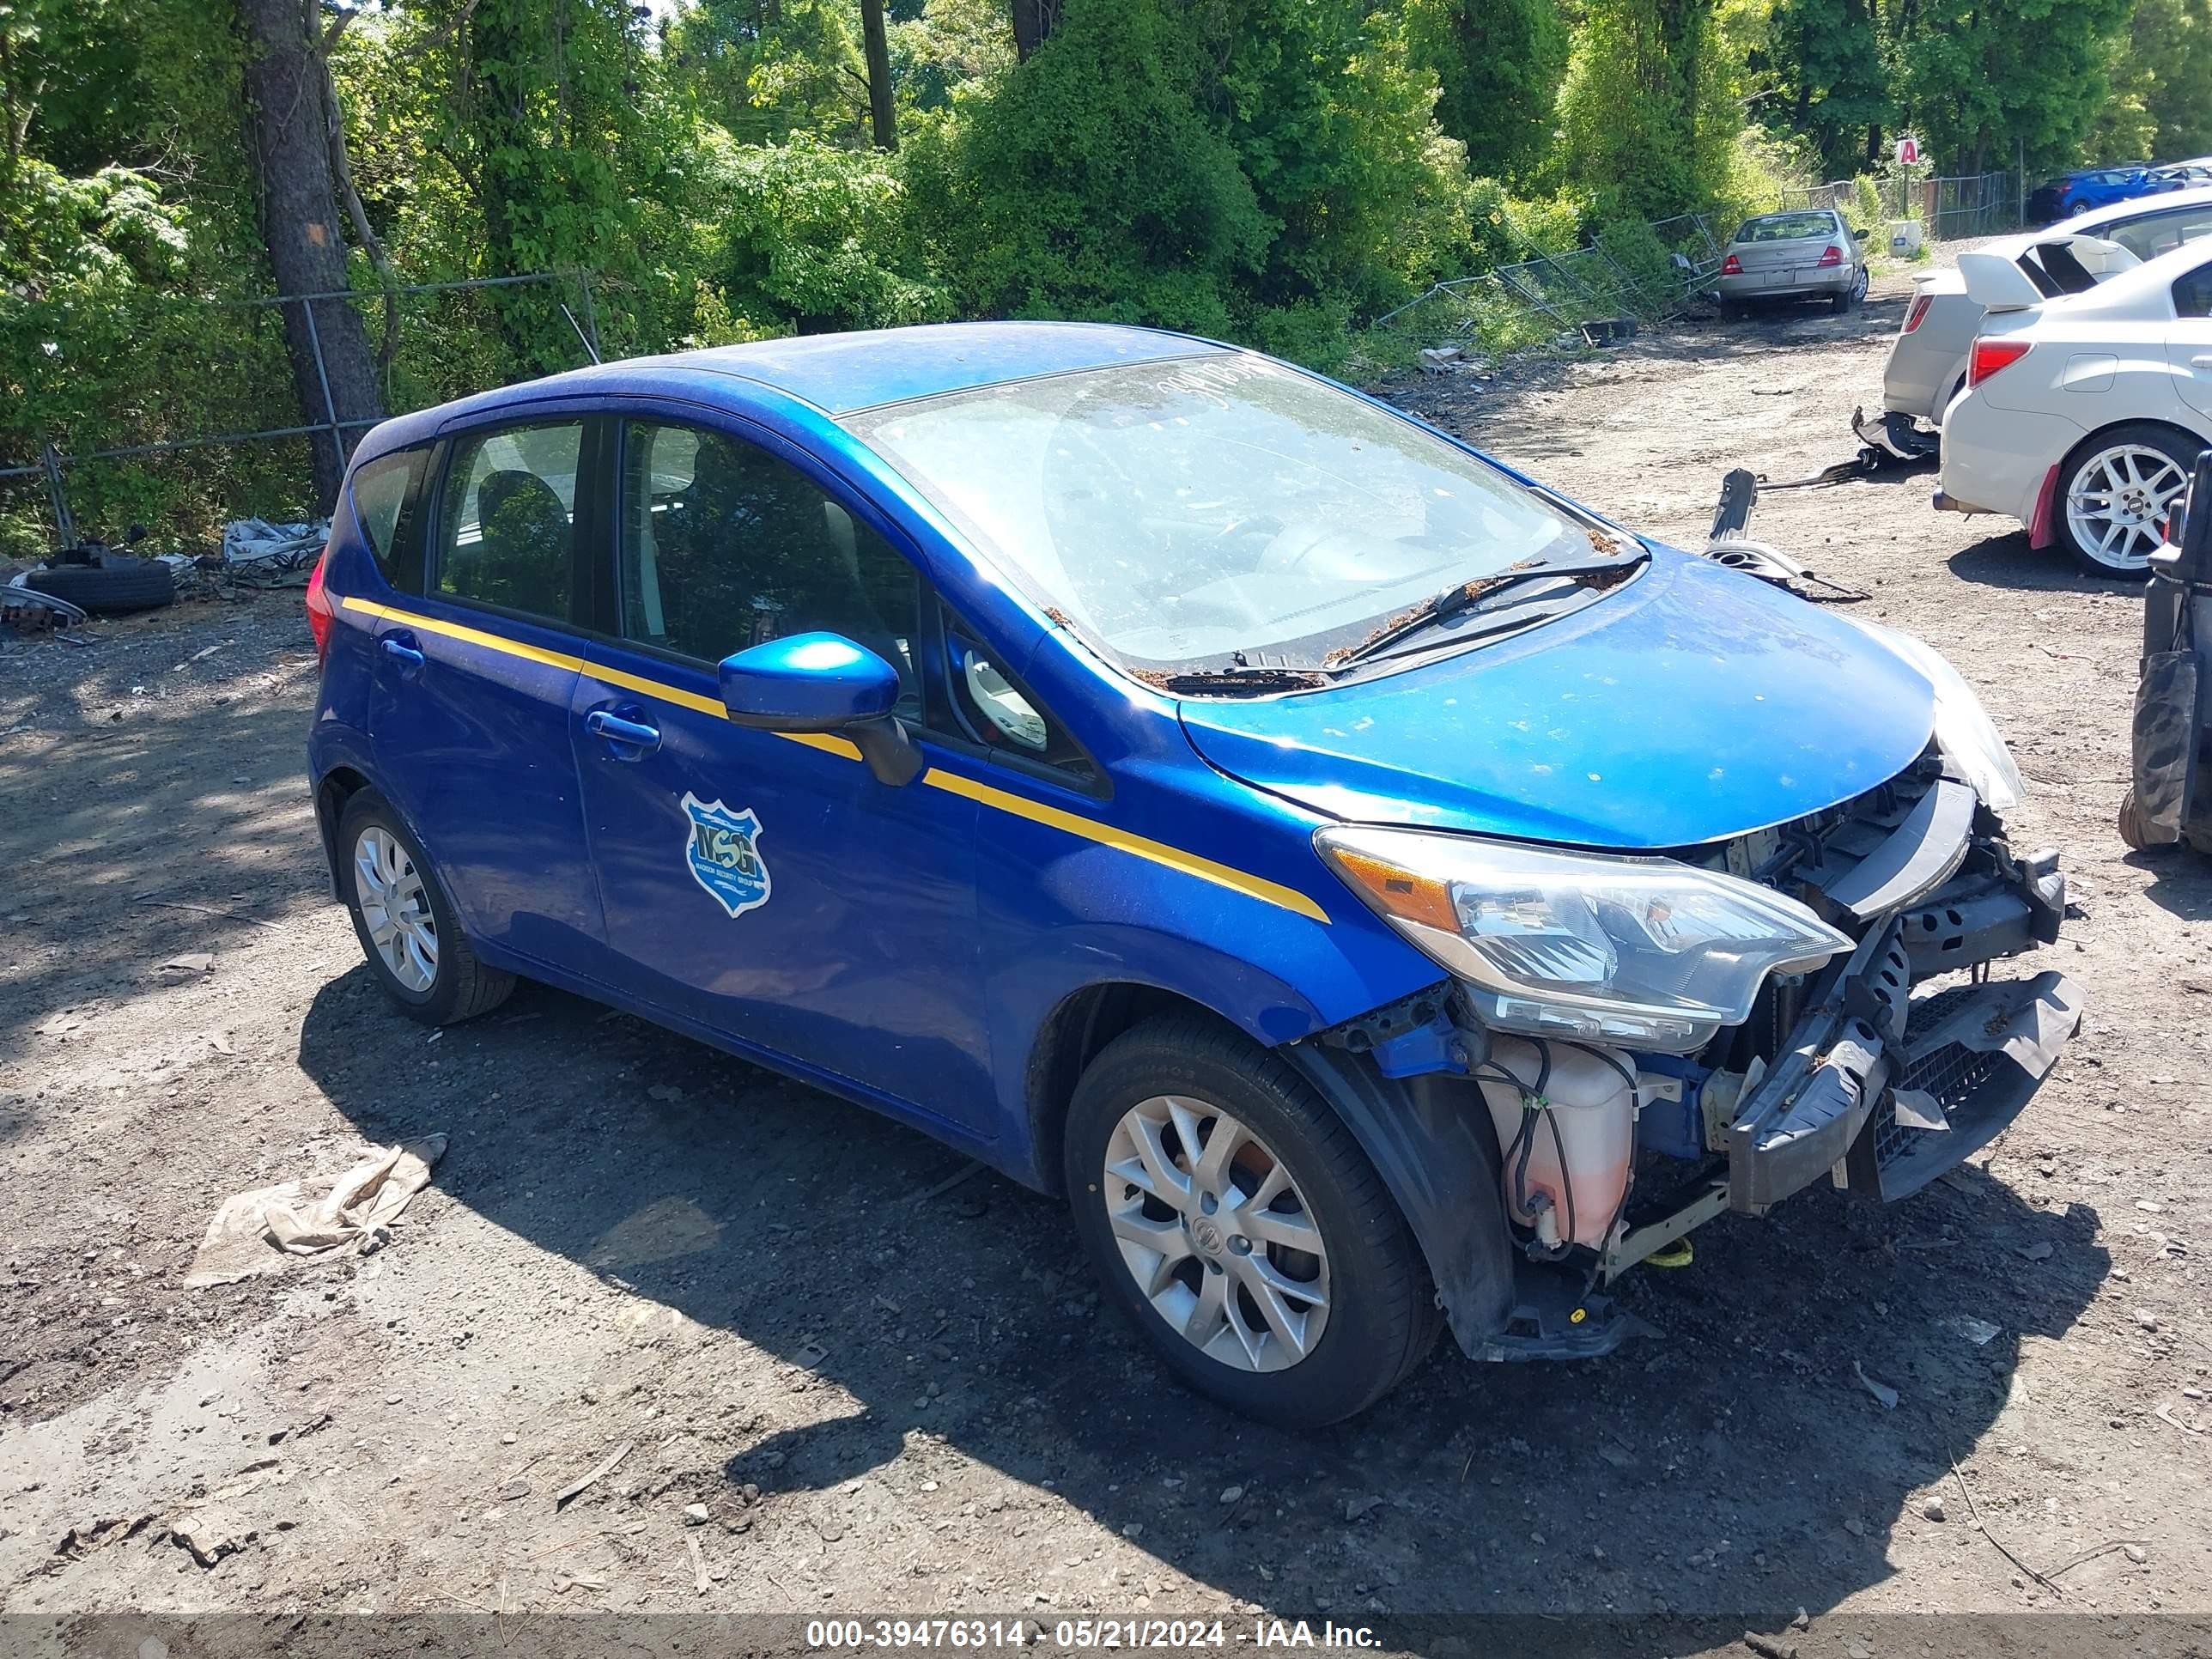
264	1231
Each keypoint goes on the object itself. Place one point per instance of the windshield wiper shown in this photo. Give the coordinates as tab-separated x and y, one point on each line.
1443	607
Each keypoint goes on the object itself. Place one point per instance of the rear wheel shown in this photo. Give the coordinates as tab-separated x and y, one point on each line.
1849	300
2115	493
1232	1216
406	926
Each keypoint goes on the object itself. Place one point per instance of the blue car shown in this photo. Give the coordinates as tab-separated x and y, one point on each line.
1378	892
2093	188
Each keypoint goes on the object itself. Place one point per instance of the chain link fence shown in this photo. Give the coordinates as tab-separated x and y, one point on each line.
202	419
1625	276
1948	209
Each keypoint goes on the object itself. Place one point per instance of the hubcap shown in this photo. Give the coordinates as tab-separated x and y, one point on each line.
395	908
1216	1234
2116	504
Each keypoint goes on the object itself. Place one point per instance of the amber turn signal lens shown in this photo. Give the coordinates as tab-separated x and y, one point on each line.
1398	891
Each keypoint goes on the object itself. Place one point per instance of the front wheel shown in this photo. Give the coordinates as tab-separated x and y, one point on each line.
2115	493
404	922
1233	1216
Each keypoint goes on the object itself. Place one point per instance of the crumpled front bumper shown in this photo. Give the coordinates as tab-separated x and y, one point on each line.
1886	1093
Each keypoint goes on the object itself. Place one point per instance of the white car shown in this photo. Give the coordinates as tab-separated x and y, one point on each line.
2083	415
1927	366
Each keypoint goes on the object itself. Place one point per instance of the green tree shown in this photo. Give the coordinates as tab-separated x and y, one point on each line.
1823	60
1984	82
1499	64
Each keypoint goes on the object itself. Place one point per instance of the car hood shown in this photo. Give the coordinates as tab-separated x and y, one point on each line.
1692	704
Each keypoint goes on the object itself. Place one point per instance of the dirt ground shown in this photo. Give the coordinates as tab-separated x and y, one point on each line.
893	1396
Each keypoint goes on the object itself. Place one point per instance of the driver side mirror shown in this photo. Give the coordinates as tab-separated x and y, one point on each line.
822	683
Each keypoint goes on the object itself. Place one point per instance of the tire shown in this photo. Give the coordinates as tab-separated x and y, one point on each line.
1732	311
1848	301
2158	458
2129	825
113	589
459	986
1379	1316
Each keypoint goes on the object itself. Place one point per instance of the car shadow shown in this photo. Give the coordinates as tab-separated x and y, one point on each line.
2007	560
2180	881
1736	1462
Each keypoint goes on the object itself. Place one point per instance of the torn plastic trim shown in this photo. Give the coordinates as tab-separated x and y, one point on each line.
1805	1112
1972	1071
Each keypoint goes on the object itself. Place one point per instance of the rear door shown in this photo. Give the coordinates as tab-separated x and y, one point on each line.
475	678
2189	342
770	886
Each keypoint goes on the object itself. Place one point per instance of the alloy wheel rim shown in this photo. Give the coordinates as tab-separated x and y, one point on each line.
2117	503
395	909
1216	1234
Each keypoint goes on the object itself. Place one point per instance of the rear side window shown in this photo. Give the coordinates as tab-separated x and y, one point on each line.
2161	233
382	491
507	525
2192	295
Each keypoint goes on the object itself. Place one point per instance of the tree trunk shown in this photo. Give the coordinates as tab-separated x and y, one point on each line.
1033	21
285	92
881	114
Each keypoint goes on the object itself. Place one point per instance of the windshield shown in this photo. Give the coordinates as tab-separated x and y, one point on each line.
1786	228
1216	509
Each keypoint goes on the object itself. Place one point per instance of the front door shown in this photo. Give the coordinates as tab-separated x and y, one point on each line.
474	680
763	884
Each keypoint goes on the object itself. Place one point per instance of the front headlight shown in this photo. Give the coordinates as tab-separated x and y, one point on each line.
1964	730
1641	951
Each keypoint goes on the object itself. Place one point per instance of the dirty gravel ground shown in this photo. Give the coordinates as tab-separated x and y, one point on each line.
891	1398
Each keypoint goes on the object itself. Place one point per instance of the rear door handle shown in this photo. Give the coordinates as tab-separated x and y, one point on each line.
622	734
397	646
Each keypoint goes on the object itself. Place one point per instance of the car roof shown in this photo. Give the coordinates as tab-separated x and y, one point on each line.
2095	219
836	373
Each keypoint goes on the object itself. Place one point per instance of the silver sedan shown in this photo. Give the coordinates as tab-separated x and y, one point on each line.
1808	253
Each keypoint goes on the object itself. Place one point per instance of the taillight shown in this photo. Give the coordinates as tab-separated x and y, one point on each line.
1833	256
1918	310
1731	266
320	612
1990	355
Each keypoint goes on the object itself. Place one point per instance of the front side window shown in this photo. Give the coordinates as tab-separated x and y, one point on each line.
507	529
723	545
1183	514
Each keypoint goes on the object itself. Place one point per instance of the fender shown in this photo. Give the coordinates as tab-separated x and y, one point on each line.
1431	1139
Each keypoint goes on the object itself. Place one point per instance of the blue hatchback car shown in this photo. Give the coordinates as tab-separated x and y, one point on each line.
1375	891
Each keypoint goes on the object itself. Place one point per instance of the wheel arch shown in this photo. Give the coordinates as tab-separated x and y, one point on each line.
332	791
1430	1139
1070	1036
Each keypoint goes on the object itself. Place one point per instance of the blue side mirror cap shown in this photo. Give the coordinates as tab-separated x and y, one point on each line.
808	683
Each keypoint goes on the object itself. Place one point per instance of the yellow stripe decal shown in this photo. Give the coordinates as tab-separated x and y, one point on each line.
1190	864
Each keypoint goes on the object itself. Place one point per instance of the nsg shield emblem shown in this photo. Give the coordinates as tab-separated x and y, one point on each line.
724	852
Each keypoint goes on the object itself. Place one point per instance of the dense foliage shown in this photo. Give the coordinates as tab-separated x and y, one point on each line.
1279	171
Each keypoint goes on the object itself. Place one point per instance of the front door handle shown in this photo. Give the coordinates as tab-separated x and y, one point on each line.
397	646
2203	359
632	736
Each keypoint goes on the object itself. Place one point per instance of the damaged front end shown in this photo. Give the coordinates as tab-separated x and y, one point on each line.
1607	1150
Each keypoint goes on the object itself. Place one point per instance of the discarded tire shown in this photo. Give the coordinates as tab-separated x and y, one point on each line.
120	585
